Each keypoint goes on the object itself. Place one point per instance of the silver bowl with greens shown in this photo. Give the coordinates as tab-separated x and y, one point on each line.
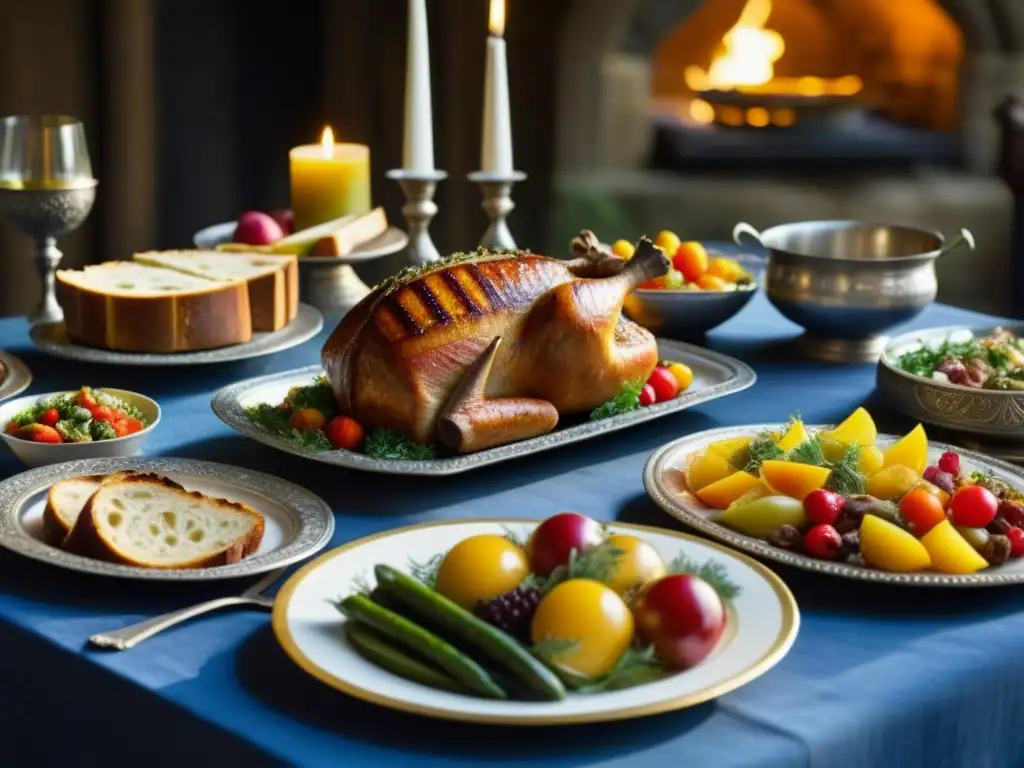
959	378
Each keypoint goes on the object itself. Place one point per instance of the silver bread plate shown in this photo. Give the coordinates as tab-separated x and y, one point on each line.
14	376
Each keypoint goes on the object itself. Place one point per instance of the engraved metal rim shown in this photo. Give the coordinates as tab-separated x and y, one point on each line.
16	376
778	650
226	403
396	240
307	324
980	330
654	472
313	519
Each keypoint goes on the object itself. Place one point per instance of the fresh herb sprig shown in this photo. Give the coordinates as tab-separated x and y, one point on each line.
626	401
844	477
275	420
427	572
924	361
762	448
408	274
711	571
392	445
598	564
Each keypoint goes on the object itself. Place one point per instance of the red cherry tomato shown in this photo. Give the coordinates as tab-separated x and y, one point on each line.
923	510
39	433
344	433
553	541
823	541
682	616
84	399
823	506
974	506
663	383
134	425
50	417
648	396
949	462
1016	537
120	428
101	413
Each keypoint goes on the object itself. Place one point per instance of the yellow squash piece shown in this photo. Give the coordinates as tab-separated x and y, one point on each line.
795	435
708	468
792	479
891	548
723	493
733	449
831	448
911	450
857	428
871	460
950	552
892	483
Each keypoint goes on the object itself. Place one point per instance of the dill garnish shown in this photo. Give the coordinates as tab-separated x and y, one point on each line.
711	571
391	445
761	448
275	420
635	667
627	400
597	564
845	477
427	572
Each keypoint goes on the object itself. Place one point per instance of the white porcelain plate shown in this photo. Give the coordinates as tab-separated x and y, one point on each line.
14	375
664	481
297	523
764	621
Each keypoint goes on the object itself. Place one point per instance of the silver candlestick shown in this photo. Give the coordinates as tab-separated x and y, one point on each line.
419	209
497	192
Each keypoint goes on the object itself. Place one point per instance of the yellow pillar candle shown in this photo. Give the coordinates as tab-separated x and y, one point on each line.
329	180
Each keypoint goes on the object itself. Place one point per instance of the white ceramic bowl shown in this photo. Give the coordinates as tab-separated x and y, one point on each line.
38	454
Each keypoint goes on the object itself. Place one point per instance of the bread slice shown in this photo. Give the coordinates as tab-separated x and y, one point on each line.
349	236
151	522
131	307
273	280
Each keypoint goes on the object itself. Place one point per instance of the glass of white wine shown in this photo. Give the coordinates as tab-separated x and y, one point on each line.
46	190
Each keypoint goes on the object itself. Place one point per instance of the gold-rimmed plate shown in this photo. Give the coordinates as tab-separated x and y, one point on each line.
764	618
14	375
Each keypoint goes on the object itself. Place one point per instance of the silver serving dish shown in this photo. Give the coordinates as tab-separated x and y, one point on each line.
14	375
714	375
987	413
848	282
691	314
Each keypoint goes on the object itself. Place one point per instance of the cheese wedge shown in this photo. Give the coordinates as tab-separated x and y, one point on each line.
338	237
131	307
273	280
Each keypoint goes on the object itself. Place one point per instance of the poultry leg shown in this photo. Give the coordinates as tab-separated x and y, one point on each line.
471	422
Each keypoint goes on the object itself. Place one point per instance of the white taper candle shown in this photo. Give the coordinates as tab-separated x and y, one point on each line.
418	147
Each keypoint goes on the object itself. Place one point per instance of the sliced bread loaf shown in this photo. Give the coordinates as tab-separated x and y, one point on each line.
65	501
151	522
273	280
132	307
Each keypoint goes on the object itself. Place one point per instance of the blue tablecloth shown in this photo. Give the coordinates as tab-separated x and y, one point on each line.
878	676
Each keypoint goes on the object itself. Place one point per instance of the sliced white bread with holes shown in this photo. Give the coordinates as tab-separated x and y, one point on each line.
65	501
273	280
131	307
151	522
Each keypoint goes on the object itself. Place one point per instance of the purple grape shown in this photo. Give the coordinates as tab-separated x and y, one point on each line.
940	479
511	612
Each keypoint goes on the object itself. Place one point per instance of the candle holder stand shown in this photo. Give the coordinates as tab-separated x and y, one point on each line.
419	209
497	192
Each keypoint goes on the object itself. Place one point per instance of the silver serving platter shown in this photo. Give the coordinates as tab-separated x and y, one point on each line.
715	375
662	480
52	339
392	241
14	375
298	523
987	413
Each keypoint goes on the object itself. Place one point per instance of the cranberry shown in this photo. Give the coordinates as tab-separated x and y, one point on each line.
1016	537
823	506
940	479
974	506
949	462
1011	512
823	541
648	395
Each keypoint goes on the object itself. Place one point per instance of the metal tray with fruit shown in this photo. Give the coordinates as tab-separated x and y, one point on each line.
846	501
535	622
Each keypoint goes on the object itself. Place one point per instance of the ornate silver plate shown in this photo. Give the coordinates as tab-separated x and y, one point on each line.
53	340
298	523
14	376
715	376
663	481
392	241
985	412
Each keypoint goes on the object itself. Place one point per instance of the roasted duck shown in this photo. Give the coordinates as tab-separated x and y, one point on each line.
484	349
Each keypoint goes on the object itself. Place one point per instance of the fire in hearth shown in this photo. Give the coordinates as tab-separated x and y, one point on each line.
744	65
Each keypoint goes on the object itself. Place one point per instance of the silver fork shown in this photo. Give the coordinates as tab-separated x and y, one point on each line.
130	636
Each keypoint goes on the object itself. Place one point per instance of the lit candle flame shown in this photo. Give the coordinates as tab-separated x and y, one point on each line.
327	142
496	18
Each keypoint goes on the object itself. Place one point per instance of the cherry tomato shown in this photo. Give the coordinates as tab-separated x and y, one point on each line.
649	285
480	568
101	413
692	260
307	420
84	399
974	506
727	269
949	462
668	242
39	433
923	510
664	384
344	433
823	541
50	417
134	425
120	428
118	415
711	283
12	427
671	280
823	506
648	395
623	249
682	616
552	542
683	374
1016	537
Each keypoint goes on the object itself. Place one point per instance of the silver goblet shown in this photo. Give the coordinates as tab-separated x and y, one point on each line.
46	191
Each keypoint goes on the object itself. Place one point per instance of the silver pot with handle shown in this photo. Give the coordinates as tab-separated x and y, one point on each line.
847	283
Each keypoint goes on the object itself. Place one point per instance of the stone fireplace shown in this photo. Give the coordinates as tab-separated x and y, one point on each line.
696	114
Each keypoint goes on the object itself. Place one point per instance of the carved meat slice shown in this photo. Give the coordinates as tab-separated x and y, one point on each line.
425	344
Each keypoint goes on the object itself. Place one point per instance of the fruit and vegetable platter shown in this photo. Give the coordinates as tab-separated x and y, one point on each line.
81	416
558	621
846	501
693	267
